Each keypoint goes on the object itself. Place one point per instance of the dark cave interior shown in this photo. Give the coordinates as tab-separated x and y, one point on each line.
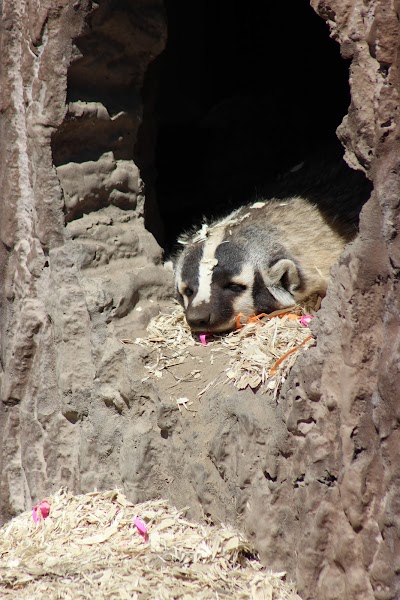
236	100
244	94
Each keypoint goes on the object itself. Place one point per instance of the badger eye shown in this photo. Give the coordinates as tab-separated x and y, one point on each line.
188	292
235	287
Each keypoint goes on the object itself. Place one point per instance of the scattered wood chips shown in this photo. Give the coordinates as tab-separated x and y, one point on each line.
259	354
90	548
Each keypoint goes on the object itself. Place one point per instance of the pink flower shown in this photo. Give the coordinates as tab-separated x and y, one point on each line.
306	320
142	529
41	511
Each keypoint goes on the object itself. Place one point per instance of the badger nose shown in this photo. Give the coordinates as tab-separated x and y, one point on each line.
198	317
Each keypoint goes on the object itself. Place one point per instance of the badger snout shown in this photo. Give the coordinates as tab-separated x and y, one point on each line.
202	318
198	317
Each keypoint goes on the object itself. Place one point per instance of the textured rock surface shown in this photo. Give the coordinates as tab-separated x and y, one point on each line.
81	272
315	479
76	259
341	404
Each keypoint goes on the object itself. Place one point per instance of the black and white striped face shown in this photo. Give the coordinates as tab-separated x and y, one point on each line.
216	280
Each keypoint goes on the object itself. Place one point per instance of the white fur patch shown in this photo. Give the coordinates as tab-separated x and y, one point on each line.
181	288
244	302
207	264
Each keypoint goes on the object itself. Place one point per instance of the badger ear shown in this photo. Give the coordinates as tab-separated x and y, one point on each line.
285	273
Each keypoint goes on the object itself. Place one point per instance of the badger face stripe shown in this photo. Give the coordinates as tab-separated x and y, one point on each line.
244	303
207	264
185	299
187	272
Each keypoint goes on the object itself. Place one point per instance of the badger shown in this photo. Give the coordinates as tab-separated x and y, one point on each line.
262	257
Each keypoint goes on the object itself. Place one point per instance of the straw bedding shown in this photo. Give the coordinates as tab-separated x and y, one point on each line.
259	355
89	547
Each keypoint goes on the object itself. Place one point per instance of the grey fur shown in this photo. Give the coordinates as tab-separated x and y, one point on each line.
260	258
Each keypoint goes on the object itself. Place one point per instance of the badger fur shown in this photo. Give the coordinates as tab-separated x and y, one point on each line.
260	258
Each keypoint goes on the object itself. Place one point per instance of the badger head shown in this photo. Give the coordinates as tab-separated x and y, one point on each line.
222	276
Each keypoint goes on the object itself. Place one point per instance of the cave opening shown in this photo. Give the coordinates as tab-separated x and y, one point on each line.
244	94
235	99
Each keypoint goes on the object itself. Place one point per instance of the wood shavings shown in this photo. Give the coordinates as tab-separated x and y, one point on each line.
170	336
90	547
185	402
262	352
204	390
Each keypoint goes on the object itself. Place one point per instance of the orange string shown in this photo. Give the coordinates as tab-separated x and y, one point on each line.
282	358
237	322
279	313
293	317
256	318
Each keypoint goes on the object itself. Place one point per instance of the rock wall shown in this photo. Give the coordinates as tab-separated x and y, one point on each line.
76	258
79	272
337	476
